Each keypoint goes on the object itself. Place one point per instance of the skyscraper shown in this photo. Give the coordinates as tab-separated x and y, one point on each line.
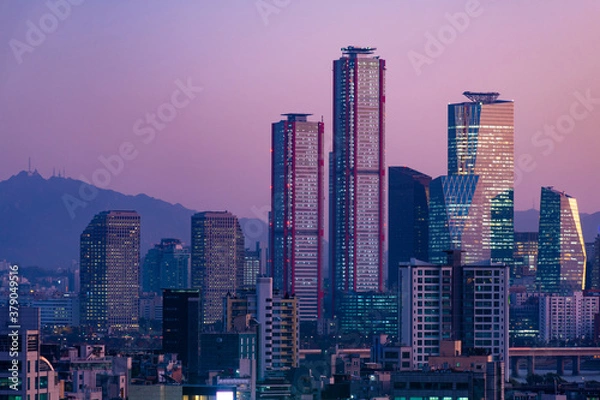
217	260
357	221
297	211
181	313
472	209
525	255
166	265
408	216
109	263
561	249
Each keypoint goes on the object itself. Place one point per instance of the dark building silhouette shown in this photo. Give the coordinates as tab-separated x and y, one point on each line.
166	265
181	316
592	279
408	216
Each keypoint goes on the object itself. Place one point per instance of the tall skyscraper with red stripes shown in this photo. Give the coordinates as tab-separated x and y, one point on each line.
357	172
296	222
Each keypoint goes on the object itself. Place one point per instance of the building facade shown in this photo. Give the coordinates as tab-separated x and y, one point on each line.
218	255
109	264
276	320
357	175
455	301
408	218
181	335
166	266
25	373
568	317
525	255
297	210
472	209
561	248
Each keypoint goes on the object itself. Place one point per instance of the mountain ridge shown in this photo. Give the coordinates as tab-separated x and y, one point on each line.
36	227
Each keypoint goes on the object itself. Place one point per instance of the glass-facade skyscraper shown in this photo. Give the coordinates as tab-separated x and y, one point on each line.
357	187
218	257
109	264
296	226
166	266
561	248
472	209
408	218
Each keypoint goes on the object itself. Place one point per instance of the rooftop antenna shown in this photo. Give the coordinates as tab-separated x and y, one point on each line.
29	166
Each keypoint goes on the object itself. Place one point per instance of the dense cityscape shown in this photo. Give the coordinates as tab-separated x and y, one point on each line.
361	279
463	294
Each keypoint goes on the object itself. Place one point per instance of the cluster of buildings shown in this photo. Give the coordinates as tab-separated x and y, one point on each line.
233	316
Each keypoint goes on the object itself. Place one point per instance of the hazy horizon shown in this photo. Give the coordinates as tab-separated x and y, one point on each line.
87	88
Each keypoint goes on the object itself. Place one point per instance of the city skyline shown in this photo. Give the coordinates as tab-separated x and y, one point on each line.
563	70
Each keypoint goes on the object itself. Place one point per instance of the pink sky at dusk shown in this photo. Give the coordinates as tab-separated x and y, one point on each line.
78	94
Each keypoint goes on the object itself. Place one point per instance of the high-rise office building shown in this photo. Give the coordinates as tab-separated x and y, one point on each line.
525	255
466	302
217	260
592	279
408	216
166	265
561	248
109	264
296	226
472	209
357	221
181	314
252	262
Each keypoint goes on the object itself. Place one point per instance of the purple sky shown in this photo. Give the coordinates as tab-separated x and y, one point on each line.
76	94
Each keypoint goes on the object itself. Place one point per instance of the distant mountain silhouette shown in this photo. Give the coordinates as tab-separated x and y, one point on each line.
37	228
529	220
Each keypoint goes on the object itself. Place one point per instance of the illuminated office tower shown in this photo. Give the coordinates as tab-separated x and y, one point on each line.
561	249
109	264
218	257
472	209
296	223
357	228
408	216
525	255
